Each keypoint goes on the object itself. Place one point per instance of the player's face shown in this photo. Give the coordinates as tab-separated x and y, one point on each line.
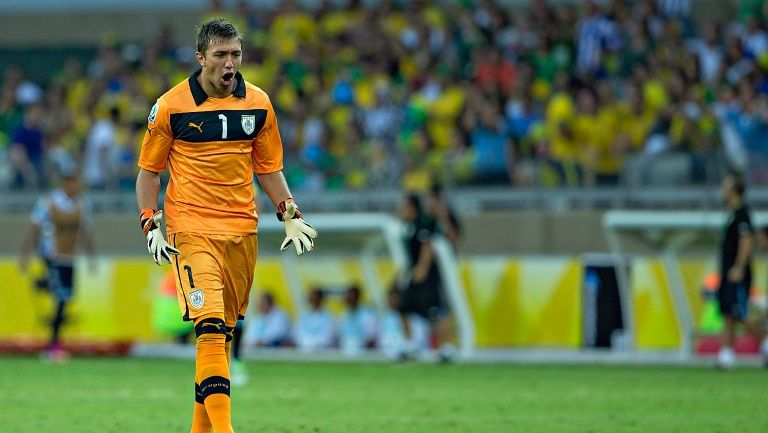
220	63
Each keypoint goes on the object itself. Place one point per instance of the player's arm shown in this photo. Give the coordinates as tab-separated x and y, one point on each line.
421	268
150	219
275	186
85	233
40	214
297	231
147	189
31	239
152	160
743	252
449	225
267	163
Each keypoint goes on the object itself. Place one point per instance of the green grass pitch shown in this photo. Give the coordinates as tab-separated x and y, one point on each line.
141	396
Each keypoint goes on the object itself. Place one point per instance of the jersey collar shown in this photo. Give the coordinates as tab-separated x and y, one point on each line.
199	94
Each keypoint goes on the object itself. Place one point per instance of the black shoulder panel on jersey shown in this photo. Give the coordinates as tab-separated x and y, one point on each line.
221	125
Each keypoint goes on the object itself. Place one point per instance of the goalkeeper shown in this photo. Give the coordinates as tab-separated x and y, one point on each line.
213	132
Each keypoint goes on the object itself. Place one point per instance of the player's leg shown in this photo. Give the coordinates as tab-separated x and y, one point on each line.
729	308
238	278
440	319
212	371
200	294
444	336
412	301
60	283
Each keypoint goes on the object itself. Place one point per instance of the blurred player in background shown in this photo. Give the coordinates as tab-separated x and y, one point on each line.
762	309
423	294
60	222
213	132
735	266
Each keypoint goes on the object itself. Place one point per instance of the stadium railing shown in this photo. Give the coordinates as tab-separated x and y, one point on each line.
465	199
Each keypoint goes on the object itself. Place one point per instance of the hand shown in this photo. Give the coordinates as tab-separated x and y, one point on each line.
297	231
736	274
158	248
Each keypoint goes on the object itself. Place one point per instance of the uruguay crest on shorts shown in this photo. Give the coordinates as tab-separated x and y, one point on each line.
248	122
196	298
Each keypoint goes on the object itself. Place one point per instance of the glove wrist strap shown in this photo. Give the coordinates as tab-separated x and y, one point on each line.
146	220
282	207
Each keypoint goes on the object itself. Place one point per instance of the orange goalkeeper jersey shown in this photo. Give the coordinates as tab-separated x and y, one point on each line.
212	147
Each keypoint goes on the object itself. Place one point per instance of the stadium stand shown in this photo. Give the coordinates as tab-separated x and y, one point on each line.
394	95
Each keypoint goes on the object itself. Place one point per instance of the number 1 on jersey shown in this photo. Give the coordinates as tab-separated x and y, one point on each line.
223	126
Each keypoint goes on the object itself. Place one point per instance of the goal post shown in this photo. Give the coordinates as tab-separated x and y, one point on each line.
370	238
667	235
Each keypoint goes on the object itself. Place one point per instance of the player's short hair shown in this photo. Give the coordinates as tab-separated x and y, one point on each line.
268	297
215	29
354	289
436	190
319	292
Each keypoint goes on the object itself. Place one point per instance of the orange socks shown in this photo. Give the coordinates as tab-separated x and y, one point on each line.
200	421
212	372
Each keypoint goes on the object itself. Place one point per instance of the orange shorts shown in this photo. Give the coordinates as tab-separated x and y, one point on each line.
214	274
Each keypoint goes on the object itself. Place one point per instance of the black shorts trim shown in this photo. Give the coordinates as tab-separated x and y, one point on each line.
185	317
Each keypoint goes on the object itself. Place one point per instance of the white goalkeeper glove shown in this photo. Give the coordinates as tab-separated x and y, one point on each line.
297	231
158	248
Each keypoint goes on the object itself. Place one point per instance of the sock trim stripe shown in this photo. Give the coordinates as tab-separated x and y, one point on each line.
214	385
198	394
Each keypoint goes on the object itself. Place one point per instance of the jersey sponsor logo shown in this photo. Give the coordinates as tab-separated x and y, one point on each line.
248	122
153	114
196	298
199	127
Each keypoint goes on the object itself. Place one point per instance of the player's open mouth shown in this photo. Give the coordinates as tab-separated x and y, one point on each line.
226	79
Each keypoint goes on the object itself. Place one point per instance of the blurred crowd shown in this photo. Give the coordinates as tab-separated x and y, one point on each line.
403	95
